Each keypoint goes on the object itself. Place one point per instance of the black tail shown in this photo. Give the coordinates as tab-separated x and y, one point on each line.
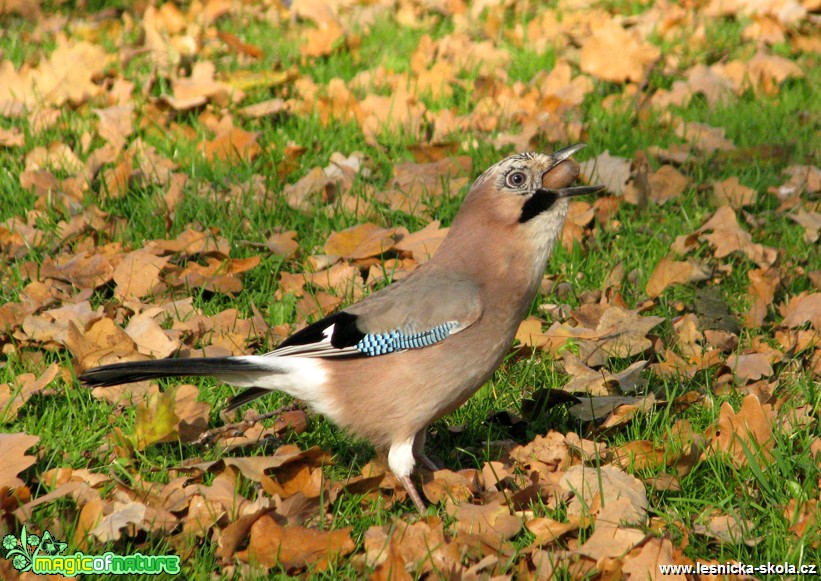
118	373
244	397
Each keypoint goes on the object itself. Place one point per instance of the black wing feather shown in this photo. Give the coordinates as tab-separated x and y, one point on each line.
345	333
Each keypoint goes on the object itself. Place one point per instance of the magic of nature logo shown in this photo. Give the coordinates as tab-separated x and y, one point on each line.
43	556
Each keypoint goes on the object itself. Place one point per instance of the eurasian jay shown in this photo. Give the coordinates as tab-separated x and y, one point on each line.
386	367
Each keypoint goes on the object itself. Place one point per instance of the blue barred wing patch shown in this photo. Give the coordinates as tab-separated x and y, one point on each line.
381	343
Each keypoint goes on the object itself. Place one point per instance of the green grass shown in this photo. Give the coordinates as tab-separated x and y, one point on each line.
72	425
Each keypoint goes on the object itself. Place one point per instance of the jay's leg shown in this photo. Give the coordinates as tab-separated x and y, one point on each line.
419	452
401	463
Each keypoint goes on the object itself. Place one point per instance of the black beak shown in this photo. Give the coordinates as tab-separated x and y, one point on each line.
569	151
578	191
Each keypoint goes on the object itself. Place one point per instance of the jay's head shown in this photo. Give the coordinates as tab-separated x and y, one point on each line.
529	192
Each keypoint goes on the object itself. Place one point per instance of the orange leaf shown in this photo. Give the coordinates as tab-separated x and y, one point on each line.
639	455
666	183
615	54
392	568
491	518
13	451
802	309
548	530
361	241
750	428
233	146
645	564
104	342
295	547
138	273
728	237
763	284
421	245
732	192
26	385
667	272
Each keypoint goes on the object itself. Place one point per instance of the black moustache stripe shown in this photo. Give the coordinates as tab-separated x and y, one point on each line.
539	202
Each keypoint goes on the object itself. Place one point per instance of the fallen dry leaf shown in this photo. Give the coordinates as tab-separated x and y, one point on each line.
611	485
12	138
732	192
122	515
295	547
727	237
803	178
743	435
83	269
601	382
548	453
425	547
138	274
610	541
267	108
766	72
704	137
547	530
65	76
203	514
688	337
415	183
104	342
361	241
156	420
639	455
447	485
666	183
399	113
422	244
557	336
12	398
615	54
750	366
802	309
325	184
13	449
712	82
255	467
763	284
284	244
728	529
606	406
116	124
811	222
645	564
233	146
669	272
392	568
193	415
199	88
491	518
609	170
149	337
623	334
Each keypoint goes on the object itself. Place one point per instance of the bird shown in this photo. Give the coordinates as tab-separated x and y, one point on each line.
388	366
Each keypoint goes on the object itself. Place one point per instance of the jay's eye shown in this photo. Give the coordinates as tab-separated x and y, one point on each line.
516	179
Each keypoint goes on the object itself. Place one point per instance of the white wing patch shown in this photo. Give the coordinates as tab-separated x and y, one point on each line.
321	348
